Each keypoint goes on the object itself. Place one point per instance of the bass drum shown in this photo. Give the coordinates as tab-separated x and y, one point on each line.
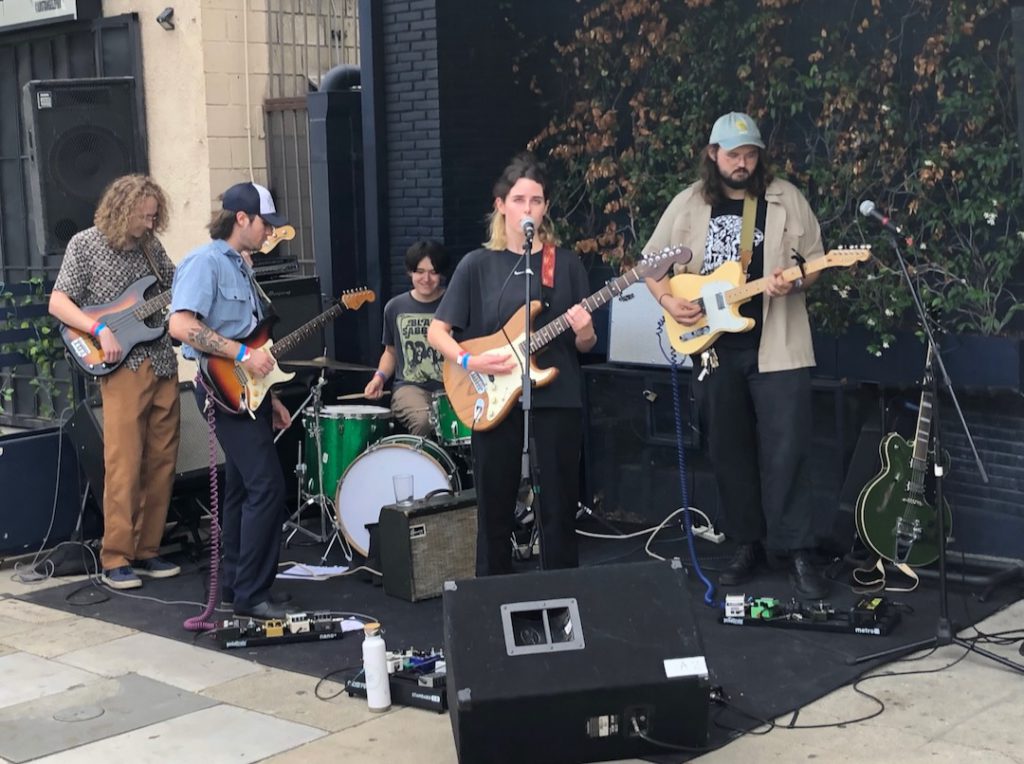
366	485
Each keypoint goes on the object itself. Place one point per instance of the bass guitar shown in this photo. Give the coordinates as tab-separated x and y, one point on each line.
894	518
482	401
232	387
721	293
125	317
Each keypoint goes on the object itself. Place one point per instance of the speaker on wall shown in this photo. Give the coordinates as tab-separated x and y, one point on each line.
81	134
85	429
564	665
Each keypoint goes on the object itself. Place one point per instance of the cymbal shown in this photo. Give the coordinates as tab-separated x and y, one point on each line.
323	362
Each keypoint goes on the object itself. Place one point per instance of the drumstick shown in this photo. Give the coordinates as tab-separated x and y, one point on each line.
355	396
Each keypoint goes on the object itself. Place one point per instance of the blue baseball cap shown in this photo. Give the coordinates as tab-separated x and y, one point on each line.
735	129
252	199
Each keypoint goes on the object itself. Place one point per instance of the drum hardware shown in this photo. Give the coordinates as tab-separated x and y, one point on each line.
324	363
319	499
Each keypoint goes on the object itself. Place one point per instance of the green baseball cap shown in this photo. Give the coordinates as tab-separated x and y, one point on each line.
735	129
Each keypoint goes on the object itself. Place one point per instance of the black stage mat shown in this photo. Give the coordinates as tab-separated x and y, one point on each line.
766	671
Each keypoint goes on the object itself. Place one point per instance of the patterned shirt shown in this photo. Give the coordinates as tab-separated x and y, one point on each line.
94	273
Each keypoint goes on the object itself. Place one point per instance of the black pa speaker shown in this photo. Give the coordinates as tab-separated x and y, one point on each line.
85	429
40	490
81	135
296	301
568	665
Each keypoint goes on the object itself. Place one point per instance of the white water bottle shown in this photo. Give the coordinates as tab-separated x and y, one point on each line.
375	669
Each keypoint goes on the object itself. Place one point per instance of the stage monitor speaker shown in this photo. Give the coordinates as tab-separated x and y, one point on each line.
296	301
37	486
81	135
85	429
558	666
426	544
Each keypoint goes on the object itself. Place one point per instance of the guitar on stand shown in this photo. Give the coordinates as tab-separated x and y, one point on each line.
482	401
894	517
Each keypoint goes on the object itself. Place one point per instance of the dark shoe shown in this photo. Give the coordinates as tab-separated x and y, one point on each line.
155	567
276	598
121	578
742	565
805	578
263	611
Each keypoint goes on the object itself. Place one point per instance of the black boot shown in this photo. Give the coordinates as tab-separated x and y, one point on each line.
742	565
805	578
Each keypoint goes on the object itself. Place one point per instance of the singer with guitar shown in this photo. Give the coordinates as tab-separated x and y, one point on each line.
485	290
215	303
140	397
752	387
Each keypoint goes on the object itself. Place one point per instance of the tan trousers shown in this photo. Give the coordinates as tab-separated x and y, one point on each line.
411	406
141	423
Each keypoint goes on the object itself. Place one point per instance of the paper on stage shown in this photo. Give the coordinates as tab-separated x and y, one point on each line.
312	572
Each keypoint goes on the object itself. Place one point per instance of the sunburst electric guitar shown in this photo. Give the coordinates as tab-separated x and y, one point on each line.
232	386
481	401
721	293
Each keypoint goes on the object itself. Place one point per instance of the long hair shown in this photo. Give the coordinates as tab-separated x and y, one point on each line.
222	224
711	181
114	212
523	165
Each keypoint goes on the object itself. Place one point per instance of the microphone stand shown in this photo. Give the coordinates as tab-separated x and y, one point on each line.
530	470
944	633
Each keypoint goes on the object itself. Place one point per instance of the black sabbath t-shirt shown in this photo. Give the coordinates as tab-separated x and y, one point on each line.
405	327
722	245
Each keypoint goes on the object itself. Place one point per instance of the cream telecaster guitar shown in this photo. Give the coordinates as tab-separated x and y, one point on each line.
481	401
721	293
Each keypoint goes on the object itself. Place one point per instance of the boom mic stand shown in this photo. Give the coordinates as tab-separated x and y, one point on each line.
944	634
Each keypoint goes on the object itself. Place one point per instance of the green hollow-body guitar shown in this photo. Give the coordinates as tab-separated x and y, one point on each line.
894	517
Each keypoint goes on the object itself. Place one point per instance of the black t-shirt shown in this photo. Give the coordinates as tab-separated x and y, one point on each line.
723	244
482	296
405	328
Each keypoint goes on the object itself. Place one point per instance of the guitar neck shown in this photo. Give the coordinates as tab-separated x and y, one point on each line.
152	305
923	432
289	341
541	337
744	292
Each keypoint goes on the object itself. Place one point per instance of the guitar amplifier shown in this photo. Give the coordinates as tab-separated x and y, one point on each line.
431	541
633	330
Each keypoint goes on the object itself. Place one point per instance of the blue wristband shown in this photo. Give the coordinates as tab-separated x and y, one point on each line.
99	328
465	360
242	350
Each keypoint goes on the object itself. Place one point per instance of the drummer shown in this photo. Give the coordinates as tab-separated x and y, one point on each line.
407	358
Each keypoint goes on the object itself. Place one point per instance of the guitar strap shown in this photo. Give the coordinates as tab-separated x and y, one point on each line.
547	273
145	243
881	582
747	231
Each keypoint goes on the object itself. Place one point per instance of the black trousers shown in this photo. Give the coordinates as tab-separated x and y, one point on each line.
497	467
252	505
758	429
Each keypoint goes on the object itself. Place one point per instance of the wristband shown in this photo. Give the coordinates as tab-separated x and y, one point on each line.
382	375
462	360
667	294
243	353
98	327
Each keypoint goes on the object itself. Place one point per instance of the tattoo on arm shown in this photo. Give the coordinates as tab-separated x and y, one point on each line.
208	341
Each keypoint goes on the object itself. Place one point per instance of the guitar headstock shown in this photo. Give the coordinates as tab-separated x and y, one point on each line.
354	299
279	234
656	264
848	255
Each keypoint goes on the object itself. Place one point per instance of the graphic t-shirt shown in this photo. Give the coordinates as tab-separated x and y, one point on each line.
722	245
405	327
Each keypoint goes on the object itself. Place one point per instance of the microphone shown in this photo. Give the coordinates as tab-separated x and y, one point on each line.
868	210
528	226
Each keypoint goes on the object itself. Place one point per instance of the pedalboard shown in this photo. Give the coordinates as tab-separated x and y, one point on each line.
417	680
871	616
315	626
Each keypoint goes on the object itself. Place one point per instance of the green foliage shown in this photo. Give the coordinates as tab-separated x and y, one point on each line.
911	106
42	348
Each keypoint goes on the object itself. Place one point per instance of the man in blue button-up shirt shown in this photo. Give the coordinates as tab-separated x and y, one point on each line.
214	307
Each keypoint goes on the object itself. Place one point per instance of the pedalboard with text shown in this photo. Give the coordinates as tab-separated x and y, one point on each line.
873	616
314	626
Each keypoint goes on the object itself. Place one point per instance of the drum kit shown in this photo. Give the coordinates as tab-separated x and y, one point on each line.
349	453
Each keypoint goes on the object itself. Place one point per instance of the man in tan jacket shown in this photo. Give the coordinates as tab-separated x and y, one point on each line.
753	389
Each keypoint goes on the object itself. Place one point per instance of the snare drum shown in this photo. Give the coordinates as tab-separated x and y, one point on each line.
345	432
449	428
366	485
